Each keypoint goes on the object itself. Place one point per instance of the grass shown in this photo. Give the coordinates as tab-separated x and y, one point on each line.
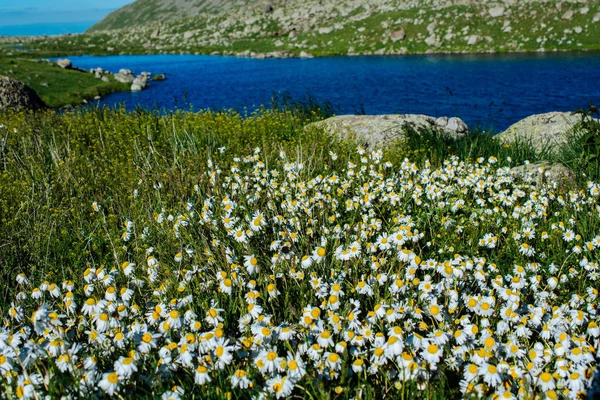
58	87
85	193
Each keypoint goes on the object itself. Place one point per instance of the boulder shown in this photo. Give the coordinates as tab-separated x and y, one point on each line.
496	12
15	95
398	35
568	15
124	76
545	171
98	72
452	124
543	132
377	130
64	63
304	54
140	82
472	40
159	77
136	87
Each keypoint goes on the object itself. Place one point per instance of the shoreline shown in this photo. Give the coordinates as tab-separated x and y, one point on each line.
288	55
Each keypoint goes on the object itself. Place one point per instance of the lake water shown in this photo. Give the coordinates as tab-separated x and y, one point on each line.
490	91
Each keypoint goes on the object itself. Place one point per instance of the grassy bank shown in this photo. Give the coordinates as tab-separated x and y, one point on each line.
215	255
58	87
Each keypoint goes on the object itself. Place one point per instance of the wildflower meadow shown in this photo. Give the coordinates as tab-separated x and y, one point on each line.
159	257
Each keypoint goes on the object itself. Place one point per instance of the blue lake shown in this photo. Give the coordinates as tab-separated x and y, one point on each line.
489	91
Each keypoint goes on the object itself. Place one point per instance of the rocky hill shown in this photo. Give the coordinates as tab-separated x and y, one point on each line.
144	11
306	28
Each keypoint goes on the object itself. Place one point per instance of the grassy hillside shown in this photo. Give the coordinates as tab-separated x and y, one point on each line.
314	28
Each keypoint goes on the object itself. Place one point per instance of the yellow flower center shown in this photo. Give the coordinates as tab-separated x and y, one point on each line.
113	378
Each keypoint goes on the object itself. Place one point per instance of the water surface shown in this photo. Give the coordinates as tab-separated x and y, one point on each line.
484	90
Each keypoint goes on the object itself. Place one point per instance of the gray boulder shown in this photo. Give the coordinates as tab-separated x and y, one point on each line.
136	87
140	82
543	132
545	172
496	12
376	131
15	95
124	76
64	63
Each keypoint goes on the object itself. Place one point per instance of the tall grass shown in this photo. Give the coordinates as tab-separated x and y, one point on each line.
53	166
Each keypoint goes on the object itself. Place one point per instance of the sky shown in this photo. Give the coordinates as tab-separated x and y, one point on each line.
24	12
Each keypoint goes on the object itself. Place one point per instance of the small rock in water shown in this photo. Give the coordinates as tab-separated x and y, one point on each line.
124	76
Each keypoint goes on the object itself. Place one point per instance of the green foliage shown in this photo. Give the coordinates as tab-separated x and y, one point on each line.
582	152
436	147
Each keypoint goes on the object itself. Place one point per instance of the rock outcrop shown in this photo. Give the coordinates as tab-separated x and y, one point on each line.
140	82
543	132
377	130
64	63
125	76
15	95
545	171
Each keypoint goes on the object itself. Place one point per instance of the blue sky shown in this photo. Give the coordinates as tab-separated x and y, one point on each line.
22	12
